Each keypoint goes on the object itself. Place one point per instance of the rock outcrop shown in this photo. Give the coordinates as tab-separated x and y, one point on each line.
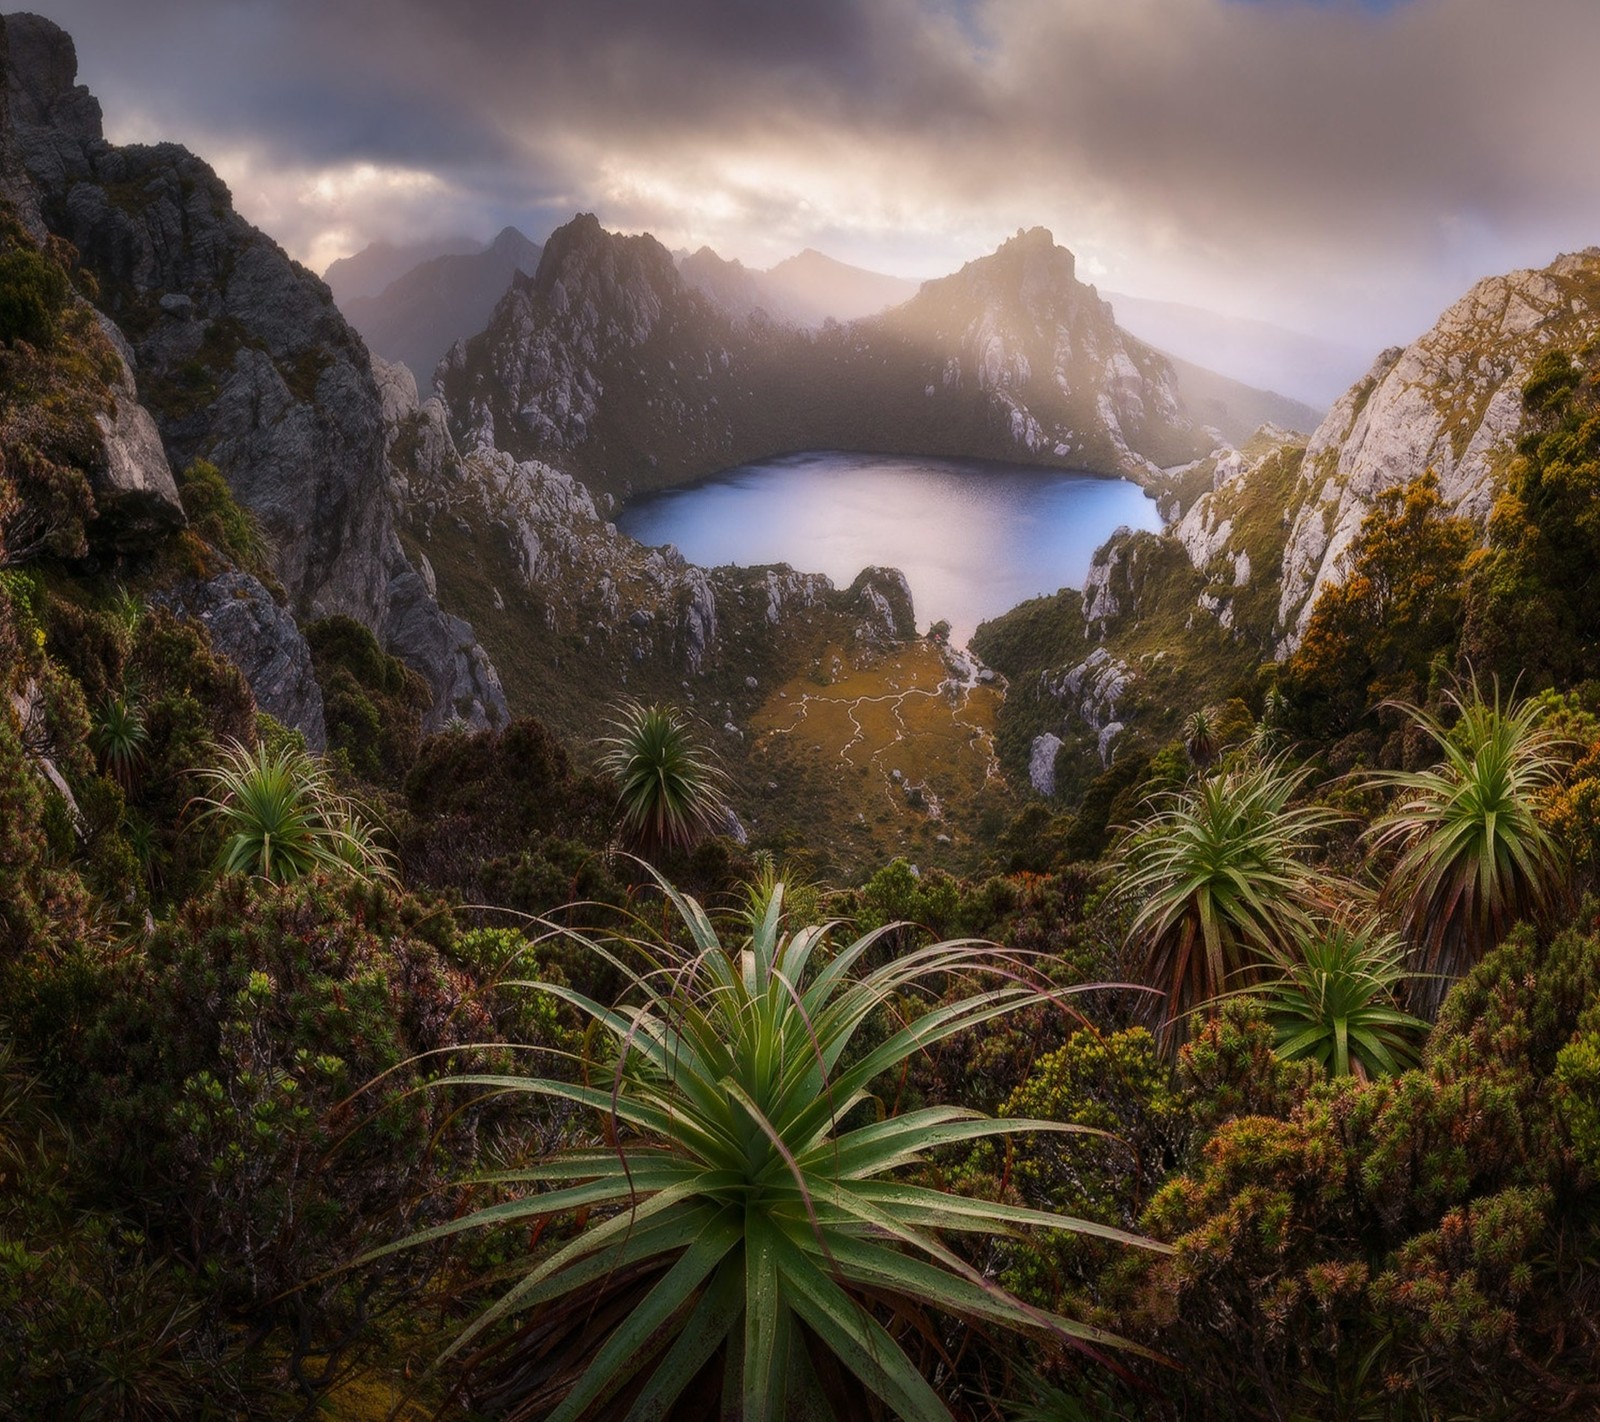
1450	402
248	627
238	353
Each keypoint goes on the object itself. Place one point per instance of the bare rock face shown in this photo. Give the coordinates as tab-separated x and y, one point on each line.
1450	402
248	627
609	363
1042	762
239	355
136	497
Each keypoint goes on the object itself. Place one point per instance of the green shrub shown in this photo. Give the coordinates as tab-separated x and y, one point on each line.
33	291
373	703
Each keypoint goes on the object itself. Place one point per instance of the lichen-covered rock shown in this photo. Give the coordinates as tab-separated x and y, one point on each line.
1449	402
1042	762
259	637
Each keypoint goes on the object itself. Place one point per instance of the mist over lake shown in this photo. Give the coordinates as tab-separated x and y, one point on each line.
973	537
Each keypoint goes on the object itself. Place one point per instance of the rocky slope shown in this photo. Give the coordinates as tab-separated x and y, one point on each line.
239	357
1255	533
609	364
417	317
577	613
1450	402
1266	526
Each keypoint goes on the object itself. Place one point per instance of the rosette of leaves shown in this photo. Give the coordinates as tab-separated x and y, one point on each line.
670	788
752	1247
1475	855
1334	1002
119	737
281	817
1221	885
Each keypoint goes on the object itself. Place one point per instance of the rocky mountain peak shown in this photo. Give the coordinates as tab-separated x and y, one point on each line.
41	81
240	358
587	269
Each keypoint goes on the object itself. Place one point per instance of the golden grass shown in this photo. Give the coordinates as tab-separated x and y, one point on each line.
843	743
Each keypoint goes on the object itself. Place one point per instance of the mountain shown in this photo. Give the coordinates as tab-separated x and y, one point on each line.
1234	409
804	290
730	285
368	271
417	317
1170	621
1451	401
242	360
810	287
608	362
1303	367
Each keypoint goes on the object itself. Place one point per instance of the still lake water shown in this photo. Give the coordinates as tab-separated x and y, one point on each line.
973	537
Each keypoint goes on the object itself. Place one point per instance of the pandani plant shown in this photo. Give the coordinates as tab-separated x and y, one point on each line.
1473	854
1220	883
669	787
281	817
754	1247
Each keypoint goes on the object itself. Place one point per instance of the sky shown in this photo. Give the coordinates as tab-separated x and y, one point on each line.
1344	167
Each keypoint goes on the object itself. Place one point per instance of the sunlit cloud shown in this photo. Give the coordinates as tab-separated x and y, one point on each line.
1345	166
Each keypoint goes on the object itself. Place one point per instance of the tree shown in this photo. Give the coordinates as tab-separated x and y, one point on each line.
1474	854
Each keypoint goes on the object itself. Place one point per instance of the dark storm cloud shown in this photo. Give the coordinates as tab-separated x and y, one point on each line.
1370	157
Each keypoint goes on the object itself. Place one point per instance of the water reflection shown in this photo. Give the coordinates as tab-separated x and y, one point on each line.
972	537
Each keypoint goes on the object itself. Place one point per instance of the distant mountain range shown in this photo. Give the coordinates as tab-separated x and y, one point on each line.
411	303
608	362
419	314
379	263
1292	363
805	290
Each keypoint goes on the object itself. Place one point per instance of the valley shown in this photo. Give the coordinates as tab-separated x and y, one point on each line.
509	911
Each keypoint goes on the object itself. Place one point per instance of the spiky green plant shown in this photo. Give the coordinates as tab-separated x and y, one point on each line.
1473	855
754	1250
281	817
670	787
1334	1001
1218	876
1200	738
118	738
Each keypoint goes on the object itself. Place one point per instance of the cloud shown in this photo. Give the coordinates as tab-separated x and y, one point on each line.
1344	165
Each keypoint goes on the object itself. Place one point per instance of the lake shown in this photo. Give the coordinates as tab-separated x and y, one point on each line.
973	537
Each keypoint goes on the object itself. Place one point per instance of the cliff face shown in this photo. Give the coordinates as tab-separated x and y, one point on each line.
609	363
238	353
1451	402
